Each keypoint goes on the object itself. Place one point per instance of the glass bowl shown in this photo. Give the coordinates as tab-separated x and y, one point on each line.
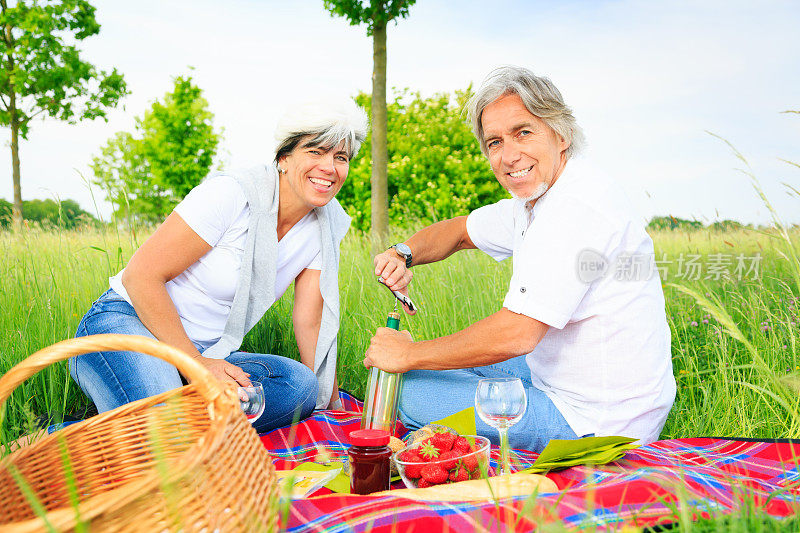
470	465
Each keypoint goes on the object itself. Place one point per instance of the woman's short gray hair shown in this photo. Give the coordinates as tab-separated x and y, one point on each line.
328	123
540	97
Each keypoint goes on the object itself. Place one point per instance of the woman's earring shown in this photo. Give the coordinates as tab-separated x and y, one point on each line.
280	170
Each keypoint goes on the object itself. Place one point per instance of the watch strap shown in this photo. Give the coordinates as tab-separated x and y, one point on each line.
407	257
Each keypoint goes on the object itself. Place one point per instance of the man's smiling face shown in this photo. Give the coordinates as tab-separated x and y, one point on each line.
526	155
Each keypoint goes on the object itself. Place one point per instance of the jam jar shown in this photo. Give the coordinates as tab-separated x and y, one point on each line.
370	458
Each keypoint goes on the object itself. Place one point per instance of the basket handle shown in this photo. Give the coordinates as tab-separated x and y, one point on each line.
207	385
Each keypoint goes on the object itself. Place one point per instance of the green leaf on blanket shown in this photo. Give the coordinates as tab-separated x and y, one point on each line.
588	450
596	458
340	483
463	422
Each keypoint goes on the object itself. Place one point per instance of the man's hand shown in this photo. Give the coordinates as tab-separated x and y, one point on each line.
388	350
392	268
225	371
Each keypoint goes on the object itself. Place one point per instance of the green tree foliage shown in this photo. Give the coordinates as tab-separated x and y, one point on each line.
674	223
65	214
43	73
436	168
146	173
5	213
376	14
727	225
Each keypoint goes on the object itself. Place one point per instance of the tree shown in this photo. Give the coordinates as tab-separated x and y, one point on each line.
44	75
673	223
5	213
145	174
436	169
376	14
65	213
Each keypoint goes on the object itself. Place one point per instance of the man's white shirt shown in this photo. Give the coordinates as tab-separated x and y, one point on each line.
605	360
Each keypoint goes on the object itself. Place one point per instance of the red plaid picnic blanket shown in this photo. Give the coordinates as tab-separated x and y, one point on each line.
648	486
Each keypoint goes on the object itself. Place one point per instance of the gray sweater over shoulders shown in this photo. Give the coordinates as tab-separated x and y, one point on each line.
256	286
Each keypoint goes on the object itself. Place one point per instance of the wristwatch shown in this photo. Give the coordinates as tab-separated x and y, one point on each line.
403	251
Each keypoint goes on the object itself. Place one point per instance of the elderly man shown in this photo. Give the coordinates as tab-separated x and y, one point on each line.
588	339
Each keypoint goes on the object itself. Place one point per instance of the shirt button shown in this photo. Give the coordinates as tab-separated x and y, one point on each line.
522	289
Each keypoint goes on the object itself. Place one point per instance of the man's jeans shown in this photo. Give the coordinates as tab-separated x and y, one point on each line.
430	395
112	379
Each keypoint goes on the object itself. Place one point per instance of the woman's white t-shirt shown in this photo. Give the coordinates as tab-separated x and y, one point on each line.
218	212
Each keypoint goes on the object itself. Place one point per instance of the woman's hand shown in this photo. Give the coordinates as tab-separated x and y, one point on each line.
225	371
388	350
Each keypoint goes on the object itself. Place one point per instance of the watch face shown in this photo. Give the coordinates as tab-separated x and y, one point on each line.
403	248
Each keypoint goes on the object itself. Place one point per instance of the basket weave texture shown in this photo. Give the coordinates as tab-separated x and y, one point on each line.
185	460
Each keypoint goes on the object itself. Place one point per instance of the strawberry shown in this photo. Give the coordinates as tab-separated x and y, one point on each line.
443	440
459	475
412	470
428	451
448	459
470	462
476	474
434	474
422	484
410	456
461	445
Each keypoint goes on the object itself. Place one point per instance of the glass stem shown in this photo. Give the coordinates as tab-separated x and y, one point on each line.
504	450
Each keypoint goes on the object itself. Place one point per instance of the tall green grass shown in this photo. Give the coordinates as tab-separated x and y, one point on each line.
729	384
734	341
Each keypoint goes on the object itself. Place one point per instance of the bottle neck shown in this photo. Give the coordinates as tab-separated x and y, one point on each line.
393	323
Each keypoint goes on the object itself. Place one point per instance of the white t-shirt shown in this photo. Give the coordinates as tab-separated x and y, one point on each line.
218	212
605	361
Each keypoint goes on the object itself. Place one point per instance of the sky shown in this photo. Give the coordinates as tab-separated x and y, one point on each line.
648	81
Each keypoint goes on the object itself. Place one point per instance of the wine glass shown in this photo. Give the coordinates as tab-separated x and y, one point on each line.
501	403
252	401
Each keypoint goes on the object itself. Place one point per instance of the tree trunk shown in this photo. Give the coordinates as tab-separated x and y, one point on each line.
379	182
16	210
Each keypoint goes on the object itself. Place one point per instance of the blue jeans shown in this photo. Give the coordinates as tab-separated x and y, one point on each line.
112	379
430	395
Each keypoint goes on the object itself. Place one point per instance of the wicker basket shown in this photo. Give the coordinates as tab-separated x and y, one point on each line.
185	460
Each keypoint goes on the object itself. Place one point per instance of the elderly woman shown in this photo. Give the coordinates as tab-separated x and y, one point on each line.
227	252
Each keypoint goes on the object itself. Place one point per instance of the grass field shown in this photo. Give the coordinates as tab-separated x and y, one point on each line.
734	338
734	359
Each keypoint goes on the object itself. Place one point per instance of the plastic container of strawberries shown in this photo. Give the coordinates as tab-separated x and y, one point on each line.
420	467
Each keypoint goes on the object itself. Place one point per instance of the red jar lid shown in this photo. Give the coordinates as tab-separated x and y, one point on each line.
369	437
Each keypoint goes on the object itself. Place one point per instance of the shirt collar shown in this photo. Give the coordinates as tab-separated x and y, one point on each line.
522	209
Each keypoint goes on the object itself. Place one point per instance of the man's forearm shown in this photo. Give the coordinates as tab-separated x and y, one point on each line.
439	241
498	337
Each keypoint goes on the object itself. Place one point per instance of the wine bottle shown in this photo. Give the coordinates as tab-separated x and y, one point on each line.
383	392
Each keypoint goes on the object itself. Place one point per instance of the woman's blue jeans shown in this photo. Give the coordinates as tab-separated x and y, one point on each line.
430	395
112	379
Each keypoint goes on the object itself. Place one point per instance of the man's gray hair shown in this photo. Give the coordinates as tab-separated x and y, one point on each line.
327	123
540	96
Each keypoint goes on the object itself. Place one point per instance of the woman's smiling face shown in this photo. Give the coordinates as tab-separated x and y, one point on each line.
315	173
526	155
